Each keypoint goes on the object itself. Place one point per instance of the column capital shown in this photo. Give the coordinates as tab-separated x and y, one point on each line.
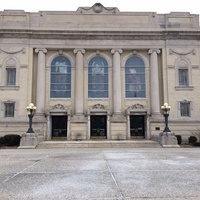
79	50
116	50
43	50
154	50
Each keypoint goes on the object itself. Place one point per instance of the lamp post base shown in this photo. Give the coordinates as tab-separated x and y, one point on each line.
28	140
168	139
30	130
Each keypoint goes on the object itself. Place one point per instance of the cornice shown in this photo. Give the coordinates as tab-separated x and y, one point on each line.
102	34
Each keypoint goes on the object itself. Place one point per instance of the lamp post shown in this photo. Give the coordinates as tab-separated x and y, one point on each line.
166	108
30	108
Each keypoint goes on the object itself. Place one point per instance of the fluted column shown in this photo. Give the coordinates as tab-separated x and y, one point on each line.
40	88
155	96
117	103
79	81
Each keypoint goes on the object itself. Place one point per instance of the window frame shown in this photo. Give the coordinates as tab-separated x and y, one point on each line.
9	71
63	75
136	70
183	77
9	109
189	108
102	69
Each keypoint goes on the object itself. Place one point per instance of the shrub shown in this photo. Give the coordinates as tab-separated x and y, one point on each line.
197	144
179	139
12	140
2	141
192	139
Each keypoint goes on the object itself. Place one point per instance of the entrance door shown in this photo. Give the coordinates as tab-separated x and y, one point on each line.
59	127
98	126
137	126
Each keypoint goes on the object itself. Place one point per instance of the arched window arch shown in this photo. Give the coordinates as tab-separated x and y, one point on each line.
10	73
60	78
183	71
135	78
98	78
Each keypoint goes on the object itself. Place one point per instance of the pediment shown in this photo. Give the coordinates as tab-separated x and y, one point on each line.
136	108
98	8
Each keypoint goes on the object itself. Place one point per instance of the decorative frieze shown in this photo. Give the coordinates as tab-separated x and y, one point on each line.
98	106
182	51
13	50
58	107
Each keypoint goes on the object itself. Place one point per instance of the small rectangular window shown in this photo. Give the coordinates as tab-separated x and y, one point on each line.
9	109
11	76
183	77
185	109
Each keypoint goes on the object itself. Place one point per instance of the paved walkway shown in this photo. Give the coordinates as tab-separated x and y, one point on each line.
100	174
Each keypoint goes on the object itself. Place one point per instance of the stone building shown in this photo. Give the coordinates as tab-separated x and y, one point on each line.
98	73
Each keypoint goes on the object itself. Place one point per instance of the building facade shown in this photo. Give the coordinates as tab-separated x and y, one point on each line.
98	73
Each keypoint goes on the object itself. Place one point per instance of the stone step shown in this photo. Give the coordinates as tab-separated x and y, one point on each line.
99	144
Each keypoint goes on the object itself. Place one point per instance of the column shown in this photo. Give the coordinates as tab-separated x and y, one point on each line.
40	88
155	97
117	94
79	82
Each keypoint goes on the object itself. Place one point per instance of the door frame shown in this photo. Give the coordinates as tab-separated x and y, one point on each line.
98	109
57	110
138	109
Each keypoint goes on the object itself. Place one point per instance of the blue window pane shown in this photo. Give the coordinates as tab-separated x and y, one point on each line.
135	78
60	78
98	78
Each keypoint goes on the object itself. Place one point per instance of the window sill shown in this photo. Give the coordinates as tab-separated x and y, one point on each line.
9	87
189	88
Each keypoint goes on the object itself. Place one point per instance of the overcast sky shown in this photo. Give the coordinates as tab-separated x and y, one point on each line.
158	6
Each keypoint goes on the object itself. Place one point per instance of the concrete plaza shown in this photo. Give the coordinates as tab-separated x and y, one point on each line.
100	174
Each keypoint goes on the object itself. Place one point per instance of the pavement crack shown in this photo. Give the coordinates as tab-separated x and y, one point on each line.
114	180
20	172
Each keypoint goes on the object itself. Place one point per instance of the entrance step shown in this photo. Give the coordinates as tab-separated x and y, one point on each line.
99	144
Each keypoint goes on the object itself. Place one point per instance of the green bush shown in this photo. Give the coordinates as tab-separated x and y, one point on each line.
179	139
12	140
192	139
2	141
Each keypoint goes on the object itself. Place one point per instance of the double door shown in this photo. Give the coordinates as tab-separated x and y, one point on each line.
137	128
59	127
98	127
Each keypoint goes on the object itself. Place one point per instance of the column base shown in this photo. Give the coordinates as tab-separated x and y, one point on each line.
168	139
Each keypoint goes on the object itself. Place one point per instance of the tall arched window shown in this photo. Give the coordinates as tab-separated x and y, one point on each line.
60	78
135	78
98	78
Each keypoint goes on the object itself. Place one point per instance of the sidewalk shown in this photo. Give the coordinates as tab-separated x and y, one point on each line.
100	174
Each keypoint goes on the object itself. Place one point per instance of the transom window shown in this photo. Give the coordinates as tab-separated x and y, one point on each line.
9	109
60	78
98	78
135	78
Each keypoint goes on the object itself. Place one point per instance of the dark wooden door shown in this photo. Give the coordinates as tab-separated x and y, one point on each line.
98	127
59	127
137	126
